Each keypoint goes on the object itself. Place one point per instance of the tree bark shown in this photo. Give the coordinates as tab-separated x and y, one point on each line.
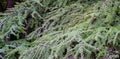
10	4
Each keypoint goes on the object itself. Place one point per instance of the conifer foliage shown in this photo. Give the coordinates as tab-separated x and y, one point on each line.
61	29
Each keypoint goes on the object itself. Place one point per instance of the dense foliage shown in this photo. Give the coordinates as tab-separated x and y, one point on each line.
61	29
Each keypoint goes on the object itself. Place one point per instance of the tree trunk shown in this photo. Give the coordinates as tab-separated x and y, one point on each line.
10	4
